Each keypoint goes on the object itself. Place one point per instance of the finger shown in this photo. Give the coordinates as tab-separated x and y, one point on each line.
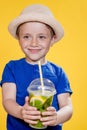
48	113
30	121
50	120
32	117
49	123
47	118
31	112
26	100
51	108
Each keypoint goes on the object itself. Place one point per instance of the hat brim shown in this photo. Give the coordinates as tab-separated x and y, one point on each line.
49	20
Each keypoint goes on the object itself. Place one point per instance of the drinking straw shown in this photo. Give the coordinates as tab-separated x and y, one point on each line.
41	77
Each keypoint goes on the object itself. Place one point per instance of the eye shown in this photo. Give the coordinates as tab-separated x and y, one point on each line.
42	37
26	37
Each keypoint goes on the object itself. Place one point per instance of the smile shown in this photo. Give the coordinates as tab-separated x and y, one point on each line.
34	50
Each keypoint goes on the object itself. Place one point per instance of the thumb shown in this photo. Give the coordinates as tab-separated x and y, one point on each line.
26	100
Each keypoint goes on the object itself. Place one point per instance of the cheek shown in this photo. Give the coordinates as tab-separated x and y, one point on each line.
22	44
47	46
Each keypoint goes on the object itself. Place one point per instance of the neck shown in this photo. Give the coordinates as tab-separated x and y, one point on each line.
44	61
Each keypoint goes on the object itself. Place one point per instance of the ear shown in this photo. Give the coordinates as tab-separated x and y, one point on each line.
53	40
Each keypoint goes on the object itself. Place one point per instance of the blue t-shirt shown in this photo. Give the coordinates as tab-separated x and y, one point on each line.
22	73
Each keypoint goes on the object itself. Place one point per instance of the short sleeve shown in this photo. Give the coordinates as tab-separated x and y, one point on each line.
63	83
8	75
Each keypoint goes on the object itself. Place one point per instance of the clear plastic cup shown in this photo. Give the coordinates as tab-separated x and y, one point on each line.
41	97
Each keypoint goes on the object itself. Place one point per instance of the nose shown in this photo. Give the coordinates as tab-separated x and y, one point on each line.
34	41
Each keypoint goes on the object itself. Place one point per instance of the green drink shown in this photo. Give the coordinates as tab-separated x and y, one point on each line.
41	97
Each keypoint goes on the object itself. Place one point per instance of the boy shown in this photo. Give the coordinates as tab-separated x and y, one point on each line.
36	30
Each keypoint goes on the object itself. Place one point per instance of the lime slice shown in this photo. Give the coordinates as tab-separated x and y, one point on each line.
37	102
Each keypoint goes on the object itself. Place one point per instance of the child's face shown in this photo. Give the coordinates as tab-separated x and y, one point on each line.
35	40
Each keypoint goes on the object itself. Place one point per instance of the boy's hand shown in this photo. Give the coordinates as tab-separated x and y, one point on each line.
49	117
29	113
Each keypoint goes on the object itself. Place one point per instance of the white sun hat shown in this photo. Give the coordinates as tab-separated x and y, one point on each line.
38	13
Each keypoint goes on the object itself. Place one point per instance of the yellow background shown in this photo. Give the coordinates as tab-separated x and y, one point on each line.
70	52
